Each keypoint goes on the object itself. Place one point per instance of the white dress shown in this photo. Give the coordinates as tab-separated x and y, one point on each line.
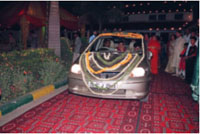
169	67
179	45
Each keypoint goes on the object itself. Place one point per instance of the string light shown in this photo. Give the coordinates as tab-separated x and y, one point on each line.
148	3
170	11
156	11
163	11
144	12
141	4
126	6
190	17
191	9
150	11
133	12
180	28
172	28
138	12
157	29
150	29
165	28
177	10
133	5
184	10
128	13
114	6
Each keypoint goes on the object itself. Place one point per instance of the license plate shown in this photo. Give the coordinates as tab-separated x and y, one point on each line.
98	84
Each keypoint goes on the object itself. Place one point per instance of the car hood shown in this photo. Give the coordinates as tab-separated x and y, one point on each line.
108	65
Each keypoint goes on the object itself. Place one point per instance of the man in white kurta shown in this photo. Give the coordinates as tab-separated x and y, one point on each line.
77	47
179	45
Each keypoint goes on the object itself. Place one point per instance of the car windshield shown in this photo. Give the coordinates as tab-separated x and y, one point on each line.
115	43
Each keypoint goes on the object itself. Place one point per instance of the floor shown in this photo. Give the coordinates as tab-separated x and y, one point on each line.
170	108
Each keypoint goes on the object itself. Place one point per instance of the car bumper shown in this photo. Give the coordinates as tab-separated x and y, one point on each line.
130	89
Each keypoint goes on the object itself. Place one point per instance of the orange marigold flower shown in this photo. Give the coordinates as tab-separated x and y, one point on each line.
25	72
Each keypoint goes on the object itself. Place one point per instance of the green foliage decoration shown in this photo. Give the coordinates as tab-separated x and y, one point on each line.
24	71
51	72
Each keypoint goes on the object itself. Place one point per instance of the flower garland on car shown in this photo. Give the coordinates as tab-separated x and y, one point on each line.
126	60
109	62
87	76
114	77
99	66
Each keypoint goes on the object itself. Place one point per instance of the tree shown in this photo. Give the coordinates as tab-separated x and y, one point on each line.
54	28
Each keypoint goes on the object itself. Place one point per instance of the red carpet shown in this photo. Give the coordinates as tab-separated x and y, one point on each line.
170	108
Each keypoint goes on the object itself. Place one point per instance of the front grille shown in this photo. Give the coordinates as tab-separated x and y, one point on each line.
106	75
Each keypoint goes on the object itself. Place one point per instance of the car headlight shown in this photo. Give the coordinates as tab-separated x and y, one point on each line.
138	72
76	69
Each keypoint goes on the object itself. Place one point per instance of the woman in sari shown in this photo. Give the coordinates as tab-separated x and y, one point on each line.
154	47
171	44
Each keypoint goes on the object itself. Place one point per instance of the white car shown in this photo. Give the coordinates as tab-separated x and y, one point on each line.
114	65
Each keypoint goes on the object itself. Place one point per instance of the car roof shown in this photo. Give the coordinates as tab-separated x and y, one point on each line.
123	34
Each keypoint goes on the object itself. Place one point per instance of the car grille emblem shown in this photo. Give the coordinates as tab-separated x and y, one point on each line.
107	57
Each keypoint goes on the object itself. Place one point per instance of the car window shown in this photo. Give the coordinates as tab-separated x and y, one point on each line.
119	44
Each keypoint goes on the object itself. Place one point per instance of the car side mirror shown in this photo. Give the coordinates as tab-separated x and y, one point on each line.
149	55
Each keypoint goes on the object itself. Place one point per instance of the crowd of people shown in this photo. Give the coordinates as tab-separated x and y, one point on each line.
180	52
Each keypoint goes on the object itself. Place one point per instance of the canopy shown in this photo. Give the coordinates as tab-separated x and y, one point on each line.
35	14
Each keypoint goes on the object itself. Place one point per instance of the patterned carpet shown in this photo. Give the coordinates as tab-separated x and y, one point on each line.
170	108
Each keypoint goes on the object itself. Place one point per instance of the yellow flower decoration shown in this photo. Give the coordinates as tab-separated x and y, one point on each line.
106	68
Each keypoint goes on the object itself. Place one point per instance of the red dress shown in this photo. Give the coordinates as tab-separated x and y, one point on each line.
182	61
154	47
121	50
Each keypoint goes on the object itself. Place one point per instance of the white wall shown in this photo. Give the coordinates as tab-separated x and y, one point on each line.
187	16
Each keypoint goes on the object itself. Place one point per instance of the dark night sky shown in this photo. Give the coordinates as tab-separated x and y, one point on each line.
129	7
153	6
142	6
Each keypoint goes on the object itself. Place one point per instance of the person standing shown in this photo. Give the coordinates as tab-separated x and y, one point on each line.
154	47
77	47
182	62
193	34
171	44
12	42
34	39
187	35
92	37
120	29
179	45
146	39
190	60
195	80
